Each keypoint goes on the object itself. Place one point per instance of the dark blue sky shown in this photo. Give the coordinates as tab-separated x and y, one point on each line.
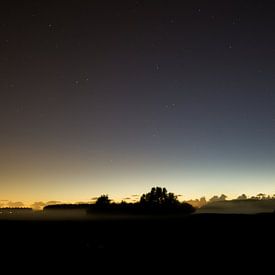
117	96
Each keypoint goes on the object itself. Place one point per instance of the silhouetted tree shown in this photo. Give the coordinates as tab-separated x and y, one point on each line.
242	197
203	200
197	202
69	206
261	196
217	198
223	197
159	197
103	201
159	200
214	198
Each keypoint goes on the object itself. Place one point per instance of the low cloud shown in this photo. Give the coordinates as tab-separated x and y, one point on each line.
198	202
52	202
217	198
38	205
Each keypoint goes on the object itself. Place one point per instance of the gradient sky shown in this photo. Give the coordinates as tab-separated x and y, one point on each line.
119	96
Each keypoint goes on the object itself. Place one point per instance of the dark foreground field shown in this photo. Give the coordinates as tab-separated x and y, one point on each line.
226	238
197	233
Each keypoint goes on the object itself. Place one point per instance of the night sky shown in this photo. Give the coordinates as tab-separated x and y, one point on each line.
118	96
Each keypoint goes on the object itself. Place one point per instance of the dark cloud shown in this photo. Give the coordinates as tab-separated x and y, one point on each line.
135	196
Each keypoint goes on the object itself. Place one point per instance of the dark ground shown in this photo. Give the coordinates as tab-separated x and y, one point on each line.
229	239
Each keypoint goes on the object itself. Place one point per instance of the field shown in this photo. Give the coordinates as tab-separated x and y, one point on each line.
190	236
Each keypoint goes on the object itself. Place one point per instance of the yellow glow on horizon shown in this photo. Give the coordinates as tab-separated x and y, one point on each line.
29	187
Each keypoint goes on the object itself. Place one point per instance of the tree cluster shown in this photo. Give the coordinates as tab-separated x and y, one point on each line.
157	201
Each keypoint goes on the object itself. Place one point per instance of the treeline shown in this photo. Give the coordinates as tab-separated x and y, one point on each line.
157	201
72	206
16	208
198	203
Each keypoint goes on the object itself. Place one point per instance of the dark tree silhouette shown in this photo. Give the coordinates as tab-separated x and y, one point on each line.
261	196
103	201
159	200
69	206
159	197
242	197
